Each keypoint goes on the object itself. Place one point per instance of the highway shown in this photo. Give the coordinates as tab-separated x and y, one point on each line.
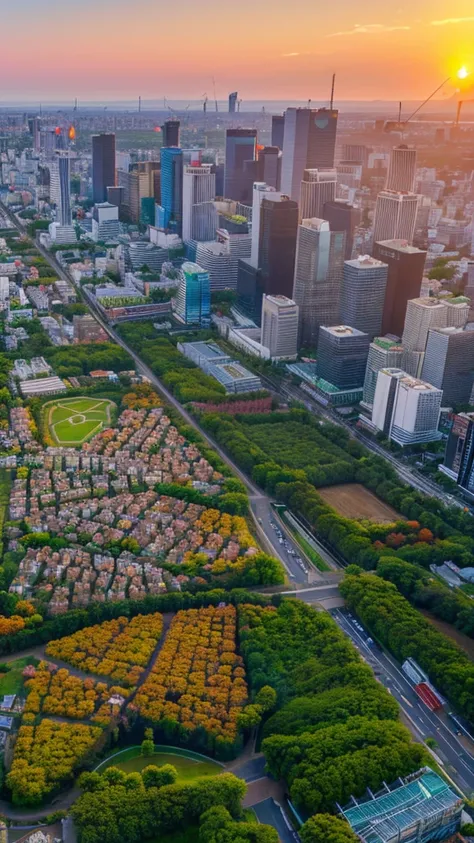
457	761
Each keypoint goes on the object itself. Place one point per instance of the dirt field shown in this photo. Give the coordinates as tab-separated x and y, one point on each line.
459	638
355	501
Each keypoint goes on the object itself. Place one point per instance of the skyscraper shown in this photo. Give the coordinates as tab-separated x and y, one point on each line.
342	356
402	169
342	216
363	293
405	274
103	165
395	216
317	188
406	409
449	363
459	456
193	299
199	213
60	189
261	191
232	102
170	132
319	267
240	146
383	353
277	245
280	327
278	129
171	188
309	143
355	152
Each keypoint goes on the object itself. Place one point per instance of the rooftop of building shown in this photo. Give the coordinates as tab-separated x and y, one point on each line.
410	382
401	246
316	224
342	331
209	350
280	301
427	301
364	262
387	816
386	343
191	268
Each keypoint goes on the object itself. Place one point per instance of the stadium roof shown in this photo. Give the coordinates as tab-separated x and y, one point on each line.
386	817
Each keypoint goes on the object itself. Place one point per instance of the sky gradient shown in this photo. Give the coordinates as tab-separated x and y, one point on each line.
118	49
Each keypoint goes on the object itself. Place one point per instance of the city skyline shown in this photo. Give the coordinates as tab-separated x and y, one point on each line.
107	52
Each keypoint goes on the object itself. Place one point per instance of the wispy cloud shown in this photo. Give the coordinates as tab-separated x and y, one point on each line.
367	29
289	55
451	20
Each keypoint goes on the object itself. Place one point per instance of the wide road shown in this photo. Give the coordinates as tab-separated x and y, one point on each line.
457	760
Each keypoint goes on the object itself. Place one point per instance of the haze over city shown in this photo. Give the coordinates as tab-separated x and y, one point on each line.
113	50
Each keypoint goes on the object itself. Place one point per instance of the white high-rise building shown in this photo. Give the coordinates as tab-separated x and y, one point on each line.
261	191
199	213
424	314
406	409
395	216
402	169
319	267
280	327
317	187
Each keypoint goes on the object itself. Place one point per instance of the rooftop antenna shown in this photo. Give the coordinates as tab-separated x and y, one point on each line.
331	104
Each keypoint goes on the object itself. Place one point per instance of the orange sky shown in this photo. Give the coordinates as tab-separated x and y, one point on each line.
116	49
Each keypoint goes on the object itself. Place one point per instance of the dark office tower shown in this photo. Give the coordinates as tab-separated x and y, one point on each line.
232	102
103	166
249	291
170	133
342	356
318	276
459	457
34	128
240	146
449	363
278	130
405	274
277	245
355	152
342	216
308	144
363	294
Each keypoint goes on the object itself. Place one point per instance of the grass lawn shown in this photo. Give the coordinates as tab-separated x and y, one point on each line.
131	761
72	421
12	681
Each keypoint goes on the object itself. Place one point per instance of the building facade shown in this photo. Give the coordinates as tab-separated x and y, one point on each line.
103	165
280	327
395	216
193	299
171	189
384	353
406	409
402	169
363	293
342	216
240	146
317	188
199	193
309	143
405	274
449	363
342	356
277	245
60	187
170	132
319	267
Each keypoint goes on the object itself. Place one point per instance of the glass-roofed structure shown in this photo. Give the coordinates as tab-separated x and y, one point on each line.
421	809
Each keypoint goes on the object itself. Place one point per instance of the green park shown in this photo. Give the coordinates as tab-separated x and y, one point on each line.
72	421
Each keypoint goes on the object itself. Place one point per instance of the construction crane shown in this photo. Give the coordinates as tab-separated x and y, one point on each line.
215	98
401	124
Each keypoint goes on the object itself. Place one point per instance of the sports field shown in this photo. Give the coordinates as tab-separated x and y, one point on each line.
72	421
355	501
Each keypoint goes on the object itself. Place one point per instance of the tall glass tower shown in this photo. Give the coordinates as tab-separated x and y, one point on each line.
193	299
172	188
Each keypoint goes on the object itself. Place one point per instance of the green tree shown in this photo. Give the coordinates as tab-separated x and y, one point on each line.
325	828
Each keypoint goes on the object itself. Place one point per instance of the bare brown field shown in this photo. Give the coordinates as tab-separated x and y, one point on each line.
355	501
459	638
